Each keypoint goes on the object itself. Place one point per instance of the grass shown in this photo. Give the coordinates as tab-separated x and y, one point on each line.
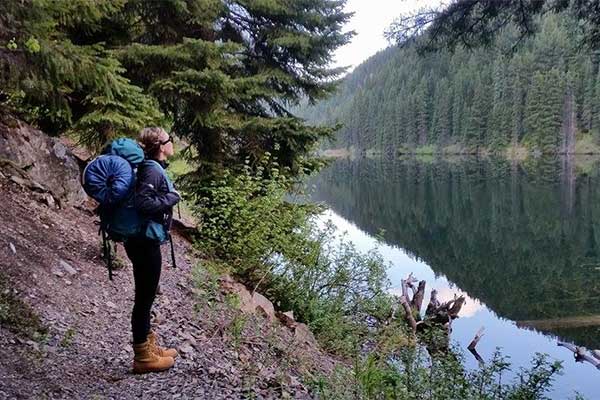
67	339
17	316
585	144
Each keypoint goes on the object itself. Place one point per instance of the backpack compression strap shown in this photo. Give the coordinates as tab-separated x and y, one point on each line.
107	255
172	250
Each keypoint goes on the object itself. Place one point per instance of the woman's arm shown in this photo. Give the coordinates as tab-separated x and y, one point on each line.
148	198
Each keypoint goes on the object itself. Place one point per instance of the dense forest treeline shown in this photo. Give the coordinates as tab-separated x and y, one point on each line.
542	94
531	228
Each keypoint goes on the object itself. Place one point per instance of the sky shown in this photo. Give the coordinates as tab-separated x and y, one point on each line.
371	18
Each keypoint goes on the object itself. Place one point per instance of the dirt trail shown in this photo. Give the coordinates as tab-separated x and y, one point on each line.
50	260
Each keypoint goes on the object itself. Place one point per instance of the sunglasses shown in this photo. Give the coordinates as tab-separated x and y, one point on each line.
170	139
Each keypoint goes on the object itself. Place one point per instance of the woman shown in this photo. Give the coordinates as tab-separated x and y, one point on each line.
154	199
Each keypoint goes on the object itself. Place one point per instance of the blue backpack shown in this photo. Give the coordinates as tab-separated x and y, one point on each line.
110	179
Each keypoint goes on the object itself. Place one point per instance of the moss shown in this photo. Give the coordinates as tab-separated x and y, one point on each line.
15	315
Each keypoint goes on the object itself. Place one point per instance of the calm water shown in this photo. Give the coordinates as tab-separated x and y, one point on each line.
519	240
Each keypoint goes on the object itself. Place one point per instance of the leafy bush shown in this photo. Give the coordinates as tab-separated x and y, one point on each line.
277	247
412	374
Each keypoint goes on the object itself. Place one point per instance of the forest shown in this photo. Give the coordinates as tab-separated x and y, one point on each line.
539	94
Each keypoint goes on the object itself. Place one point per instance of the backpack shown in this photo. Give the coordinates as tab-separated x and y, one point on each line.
110	179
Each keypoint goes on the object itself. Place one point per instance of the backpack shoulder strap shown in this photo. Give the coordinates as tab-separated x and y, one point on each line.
149	163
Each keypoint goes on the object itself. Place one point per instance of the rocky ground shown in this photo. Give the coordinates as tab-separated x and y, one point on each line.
65	331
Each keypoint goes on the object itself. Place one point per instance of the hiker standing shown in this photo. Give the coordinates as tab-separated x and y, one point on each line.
154	200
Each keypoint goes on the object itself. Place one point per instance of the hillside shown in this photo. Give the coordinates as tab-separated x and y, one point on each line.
541	95
64	327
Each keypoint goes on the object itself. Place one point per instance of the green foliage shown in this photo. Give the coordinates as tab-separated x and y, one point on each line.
222	73
68	337
475	23
277	247
61	83
411	373
17	316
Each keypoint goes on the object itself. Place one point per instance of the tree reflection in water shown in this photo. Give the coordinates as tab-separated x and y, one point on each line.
520	237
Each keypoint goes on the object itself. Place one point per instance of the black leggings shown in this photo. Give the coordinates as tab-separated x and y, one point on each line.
146	258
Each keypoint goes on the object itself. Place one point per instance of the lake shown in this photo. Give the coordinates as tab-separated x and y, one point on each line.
517	239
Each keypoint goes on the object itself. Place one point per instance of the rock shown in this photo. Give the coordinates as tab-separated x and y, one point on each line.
56	271
303	335
12	248
50	165
19	181
228	285
46	198
186	348
286	318
188	337
67	268
35	345
262	304
249	303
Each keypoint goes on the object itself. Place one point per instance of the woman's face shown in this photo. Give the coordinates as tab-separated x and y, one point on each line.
166	147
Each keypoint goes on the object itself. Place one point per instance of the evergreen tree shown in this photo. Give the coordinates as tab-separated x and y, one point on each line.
225	73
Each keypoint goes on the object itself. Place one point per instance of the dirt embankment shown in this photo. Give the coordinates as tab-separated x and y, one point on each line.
65	330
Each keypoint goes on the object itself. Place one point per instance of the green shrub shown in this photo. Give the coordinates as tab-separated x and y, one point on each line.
277	247
412	374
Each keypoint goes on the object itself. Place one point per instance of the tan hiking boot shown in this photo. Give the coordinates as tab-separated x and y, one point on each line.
145	360
160	351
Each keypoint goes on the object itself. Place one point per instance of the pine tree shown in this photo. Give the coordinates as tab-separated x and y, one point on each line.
478	121
225	73
61	81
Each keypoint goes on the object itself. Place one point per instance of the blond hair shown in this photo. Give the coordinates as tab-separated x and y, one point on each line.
149	138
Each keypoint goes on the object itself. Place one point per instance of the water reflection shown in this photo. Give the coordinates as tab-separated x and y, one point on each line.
519	238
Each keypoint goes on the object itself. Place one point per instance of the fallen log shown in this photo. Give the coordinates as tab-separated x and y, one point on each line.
476	339
472	346
580	354
446	312
406	283
408	313
433	304
417	301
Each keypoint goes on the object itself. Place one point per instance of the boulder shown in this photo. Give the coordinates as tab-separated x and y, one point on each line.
249	302
286	318
302	334
46	160
229	285
263	306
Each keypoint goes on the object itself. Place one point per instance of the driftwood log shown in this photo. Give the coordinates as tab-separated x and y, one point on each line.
436	313
581	355
473	345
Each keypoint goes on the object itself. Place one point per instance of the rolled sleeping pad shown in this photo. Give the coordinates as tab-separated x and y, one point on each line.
108	179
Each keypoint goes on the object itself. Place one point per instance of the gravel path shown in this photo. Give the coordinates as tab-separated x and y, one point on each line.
50	260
